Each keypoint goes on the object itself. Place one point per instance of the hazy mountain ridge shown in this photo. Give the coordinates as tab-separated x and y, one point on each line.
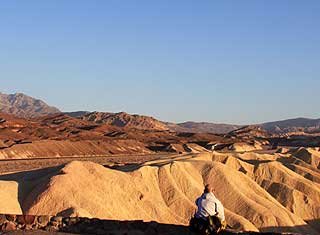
24	106
203	127
306	125
122	119
289	126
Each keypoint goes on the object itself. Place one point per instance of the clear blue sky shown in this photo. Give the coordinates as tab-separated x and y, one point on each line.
245	61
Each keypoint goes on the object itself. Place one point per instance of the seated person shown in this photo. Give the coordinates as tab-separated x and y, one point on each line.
209	218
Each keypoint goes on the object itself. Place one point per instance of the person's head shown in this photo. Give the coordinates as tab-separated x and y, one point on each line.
208	188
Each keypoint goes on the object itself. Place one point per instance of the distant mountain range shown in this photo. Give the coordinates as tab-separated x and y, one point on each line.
126	120
295	125
25	106
202	127
122	119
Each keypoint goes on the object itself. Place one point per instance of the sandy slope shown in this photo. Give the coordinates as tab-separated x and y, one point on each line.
259	191
9	197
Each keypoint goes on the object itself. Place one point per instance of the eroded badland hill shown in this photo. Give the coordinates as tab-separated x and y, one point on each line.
261	192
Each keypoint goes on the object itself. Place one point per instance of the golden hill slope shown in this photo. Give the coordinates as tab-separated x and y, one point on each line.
259	191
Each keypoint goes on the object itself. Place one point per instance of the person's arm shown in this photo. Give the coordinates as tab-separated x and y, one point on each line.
220	210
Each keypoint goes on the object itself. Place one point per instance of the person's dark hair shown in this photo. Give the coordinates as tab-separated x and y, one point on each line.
208	188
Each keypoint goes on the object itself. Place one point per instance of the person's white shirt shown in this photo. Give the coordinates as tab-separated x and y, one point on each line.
209	205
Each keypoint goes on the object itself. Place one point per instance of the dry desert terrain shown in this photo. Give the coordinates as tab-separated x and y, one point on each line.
260	191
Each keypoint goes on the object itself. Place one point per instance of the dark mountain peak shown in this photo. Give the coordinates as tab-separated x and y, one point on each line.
25	106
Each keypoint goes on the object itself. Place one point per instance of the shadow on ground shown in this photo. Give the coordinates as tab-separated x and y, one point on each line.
42	225
95	226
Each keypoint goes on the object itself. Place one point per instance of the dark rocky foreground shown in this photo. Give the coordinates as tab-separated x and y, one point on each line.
41	225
